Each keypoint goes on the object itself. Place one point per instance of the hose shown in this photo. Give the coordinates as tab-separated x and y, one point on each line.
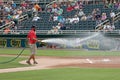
13	59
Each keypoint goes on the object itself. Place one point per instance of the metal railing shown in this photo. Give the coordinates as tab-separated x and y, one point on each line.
45	32
7	25
21	18
117	17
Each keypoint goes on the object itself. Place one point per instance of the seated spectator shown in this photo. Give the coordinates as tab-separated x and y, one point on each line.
83	18
55	17
80	4
81	13
9	17
6	21
118	6
19	11
36	18
56	30
54	5
104	16
97	17
110	5
24	5
1	22
98	11
16	16
93	14
54	10
62	27
53	31
67	20
69	8
76	6
1	2
13	4
98	14
6	30
107	27
112	26
37	7
89	17
60	19
98	22
59	11
75	19
71	20
59	26
49	9
7	8
112	15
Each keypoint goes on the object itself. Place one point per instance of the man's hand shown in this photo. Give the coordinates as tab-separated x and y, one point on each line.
39	40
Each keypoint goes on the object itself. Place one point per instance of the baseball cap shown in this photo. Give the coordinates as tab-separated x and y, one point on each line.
33	27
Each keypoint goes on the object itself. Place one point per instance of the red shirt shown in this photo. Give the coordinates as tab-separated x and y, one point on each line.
69	8
32	38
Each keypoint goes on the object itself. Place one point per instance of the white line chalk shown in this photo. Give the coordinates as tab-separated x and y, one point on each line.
89	61
106	60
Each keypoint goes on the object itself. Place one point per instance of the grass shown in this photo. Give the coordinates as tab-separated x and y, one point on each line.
13	64
59	73
61	52
64	74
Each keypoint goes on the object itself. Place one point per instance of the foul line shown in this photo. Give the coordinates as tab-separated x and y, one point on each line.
89	61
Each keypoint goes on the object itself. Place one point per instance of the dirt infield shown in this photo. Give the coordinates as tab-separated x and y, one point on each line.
58	62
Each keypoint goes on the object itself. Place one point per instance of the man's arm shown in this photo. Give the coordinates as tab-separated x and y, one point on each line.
37	40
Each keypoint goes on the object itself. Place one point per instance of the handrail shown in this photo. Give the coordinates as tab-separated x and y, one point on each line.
45	32
23	17
116	17
12	22
7	25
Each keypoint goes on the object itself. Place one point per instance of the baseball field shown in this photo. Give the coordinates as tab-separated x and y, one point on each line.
60	64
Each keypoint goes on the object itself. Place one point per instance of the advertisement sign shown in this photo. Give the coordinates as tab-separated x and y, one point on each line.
76	43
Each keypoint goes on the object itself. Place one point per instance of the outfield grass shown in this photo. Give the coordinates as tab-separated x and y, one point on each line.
64	74
61	52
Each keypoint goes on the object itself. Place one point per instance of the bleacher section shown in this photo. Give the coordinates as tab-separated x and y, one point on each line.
45	24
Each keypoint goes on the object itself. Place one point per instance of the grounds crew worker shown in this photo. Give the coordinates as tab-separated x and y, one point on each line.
32	39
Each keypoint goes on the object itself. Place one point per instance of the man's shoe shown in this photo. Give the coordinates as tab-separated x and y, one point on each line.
35	62
28	62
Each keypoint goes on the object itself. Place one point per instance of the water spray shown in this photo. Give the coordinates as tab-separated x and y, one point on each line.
69	42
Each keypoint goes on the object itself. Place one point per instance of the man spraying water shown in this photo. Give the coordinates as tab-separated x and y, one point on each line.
32	39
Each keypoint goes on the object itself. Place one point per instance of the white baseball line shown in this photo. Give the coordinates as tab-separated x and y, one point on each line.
106	60
89	61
